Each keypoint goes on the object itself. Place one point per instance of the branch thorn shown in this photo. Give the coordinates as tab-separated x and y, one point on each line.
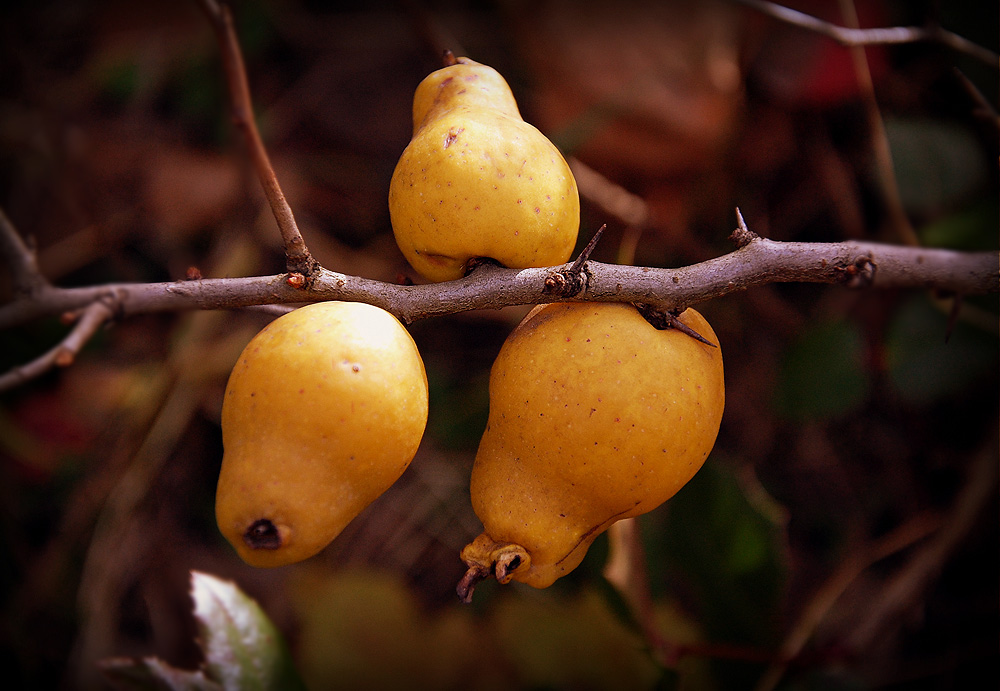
571	282
668	319
742	236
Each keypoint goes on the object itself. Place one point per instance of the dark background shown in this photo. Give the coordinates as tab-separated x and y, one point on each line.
855	471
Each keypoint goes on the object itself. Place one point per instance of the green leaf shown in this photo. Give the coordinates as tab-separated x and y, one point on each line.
822	373
243	650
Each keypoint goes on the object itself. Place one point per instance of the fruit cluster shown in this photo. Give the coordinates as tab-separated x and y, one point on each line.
596	415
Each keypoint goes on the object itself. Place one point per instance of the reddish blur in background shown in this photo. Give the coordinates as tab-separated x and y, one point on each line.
855	471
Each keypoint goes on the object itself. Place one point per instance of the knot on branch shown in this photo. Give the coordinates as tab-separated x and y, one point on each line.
572	281
565	284
742	236
303	269
857	274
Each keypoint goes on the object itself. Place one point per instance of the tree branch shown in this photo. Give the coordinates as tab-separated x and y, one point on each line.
889	186
872	37
299	259
909	586
758	261
95	314
27	279
984	109
823	601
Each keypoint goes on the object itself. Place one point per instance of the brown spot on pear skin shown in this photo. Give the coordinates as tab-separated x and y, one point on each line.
452	135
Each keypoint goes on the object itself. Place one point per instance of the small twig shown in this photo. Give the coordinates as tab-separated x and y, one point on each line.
829	593
21	259
298	258
879	138
467	585
65	352
627	570
611	197
853	36
588	250
984	109
911	584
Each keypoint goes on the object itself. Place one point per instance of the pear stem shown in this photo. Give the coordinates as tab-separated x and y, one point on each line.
467	585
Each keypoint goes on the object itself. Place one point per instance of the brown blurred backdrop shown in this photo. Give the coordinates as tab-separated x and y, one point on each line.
857	443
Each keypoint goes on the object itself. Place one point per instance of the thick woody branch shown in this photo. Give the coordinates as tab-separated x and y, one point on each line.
758	261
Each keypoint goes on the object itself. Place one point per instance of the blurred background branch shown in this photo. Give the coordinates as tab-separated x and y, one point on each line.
842	534
86	324
855	36
20	260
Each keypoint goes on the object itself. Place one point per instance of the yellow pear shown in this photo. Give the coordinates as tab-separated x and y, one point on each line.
324	410
477	181
595	416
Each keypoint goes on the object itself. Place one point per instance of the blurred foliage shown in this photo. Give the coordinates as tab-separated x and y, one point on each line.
938	165
242	648
364	630
822	373
727	549
967	229
927	364
850	414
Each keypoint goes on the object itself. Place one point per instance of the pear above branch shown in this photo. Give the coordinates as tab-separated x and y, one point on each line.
478	182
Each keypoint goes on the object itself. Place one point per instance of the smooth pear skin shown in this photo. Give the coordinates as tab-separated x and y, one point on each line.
476	181
595	416
324	410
